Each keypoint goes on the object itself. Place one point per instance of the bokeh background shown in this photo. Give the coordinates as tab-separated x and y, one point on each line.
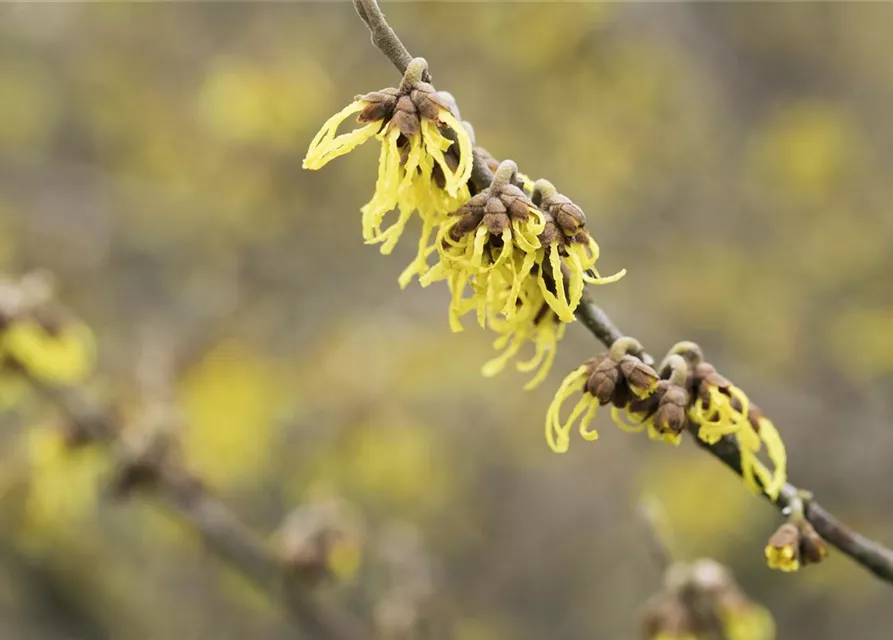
735	158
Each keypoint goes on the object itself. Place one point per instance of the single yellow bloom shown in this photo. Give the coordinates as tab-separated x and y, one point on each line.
722	409
558	430
719	416
783	559
326	145
66	356
569	245
783	550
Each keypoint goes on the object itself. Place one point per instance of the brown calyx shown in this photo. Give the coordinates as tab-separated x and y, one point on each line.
617	381
568	216
380	105
470	215
495	208
496	217
704	376
404	107
812	546
638	375
671	411
603	380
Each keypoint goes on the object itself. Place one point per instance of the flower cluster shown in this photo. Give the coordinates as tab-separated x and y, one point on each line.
516	254
519	264
796	543
701	600
424	164
38	339
685	393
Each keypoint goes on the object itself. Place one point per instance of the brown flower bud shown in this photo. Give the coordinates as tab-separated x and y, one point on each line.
516	201
471	214
380	105
603	381
495	217
426	104
705	376
670	416
812	547
783	549
569	216
406	117
642	379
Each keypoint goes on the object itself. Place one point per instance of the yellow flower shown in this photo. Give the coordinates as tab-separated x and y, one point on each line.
783	550
614	377
751	622
533	322
489	246
701	600
63	355
567	243
420	169
663	410
721	409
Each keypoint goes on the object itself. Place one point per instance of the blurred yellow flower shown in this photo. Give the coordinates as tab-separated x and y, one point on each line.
782	552
64	355
230	401
64	482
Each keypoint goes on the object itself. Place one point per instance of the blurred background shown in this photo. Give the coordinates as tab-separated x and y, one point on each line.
735	158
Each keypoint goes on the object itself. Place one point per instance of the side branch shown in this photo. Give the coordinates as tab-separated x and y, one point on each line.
186	495
872	555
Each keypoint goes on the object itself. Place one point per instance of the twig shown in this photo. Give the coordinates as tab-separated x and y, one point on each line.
187	496
383	37
871	555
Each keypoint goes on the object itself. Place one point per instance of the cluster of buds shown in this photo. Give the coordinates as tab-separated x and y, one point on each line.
796	543
701	600
685	393
519	262
488	245
425	160
516	253
720	409
322	540
38	338
617	377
